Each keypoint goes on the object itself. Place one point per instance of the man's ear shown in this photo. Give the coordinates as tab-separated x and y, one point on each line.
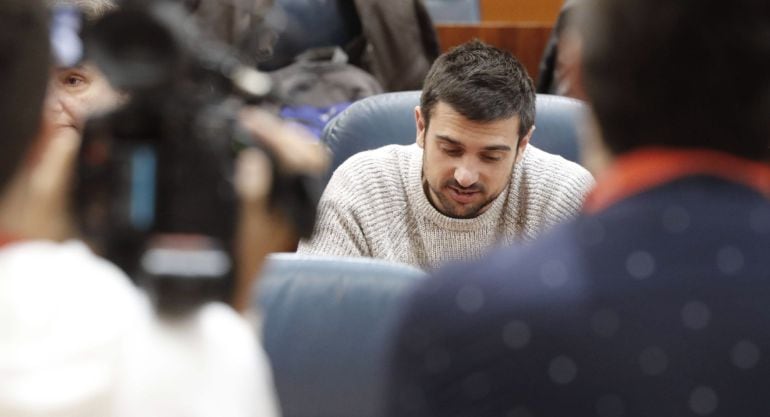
523	144
420	122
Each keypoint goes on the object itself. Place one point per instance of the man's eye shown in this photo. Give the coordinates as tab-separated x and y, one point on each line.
491	158
74	81
452	151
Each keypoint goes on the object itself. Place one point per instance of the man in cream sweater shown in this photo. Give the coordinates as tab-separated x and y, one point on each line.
471	181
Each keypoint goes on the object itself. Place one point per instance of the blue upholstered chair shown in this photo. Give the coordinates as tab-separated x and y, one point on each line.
306	24
326	322
389	118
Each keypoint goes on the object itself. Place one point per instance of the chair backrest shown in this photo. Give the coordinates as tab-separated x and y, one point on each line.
389	119
326	324
307	24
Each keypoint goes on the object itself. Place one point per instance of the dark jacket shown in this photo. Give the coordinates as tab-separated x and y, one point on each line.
322	77
394	40
398	43
655	306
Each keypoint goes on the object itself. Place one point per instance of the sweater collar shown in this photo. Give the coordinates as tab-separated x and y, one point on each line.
424	209
641	170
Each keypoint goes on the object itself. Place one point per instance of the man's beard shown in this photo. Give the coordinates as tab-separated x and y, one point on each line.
451	208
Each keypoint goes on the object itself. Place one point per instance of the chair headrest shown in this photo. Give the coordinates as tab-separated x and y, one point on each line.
389	119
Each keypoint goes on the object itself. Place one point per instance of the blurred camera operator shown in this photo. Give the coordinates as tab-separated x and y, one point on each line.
74	93
76	337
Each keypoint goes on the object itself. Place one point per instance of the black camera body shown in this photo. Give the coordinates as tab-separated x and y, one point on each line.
154	186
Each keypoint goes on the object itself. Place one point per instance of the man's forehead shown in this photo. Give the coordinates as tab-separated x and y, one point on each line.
451	126
448	109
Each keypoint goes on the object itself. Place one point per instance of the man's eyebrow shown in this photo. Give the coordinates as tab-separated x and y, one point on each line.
446	138
502	148
491	148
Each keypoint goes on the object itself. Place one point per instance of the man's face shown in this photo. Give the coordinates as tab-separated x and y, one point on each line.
75	93
466	164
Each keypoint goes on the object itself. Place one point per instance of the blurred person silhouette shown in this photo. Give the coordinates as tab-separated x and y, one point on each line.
74	93
560	65
654	300
472	180
77	338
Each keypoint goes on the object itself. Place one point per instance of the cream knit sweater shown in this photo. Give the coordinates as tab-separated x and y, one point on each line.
375	206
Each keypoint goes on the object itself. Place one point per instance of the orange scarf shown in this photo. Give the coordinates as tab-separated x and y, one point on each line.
646	168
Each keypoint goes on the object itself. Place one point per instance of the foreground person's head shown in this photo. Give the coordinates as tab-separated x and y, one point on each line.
680	74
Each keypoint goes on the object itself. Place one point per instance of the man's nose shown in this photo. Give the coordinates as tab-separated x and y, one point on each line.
466	176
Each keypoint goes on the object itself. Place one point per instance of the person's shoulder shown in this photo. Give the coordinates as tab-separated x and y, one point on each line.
381	159
71	261
554	167
518	274
539	161
231	336
69	274
510	265
381	170
73	307
459	299
228	337
219	321
211	358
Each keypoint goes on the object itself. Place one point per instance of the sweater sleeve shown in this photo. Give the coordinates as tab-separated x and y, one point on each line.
570	188
551	191
338	230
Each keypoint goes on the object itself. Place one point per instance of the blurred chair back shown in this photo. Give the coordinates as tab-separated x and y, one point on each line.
307	24
326	325
389	119
394	40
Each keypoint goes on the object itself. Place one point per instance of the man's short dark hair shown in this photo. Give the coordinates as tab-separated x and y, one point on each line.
680	73
24	65
482	83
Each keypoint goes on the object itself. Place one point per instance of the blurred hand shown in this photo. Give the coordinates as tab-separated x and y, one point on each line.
297	149
262	230
36	202
568	73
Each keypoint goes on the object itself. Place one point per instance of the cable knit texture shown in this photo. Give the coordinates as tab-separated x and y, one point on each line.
375	206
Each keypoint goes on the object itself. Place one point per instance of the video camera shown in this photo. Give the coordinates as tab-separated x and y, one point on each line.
154	186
